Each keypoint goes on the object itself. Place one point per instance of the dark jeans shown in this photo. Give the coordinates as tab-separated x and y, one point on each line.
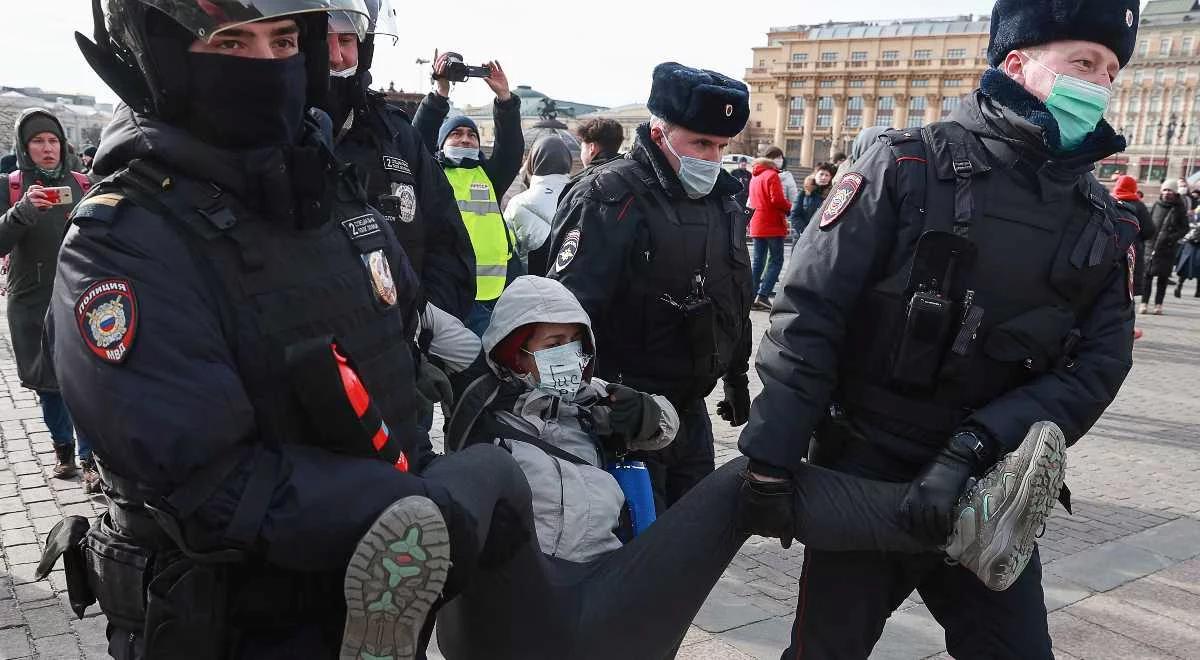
846	597
637	601
1160	293
687	460
62	429
480	316
766	265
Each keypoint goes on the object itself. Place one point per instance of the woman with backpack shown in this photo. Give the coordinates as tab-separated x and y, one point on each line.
42	192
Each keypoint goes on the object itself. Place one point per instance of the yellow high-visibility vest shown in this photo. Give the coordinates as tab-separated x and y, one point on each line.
489	234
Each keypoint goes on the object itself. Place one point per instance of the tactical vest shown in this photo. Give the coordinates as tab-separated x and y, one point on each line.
284	291
654	343
489	234
1041	255
390	183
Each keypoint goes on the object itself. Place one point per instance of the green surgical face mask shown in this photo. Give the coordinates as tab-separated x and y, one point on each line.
1077	106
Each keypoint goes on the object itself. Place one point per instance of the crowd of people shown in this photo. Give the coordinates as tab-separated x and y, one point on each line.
246	309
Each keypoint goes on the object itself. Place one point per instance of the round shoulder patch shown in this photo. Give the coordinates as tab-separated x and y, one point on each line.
570	247
840	199
107	317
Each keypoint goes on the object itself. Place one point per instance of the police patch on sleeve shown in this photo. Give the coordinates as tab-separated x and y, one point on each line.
107	317
570	247
1131	263
408	202
841	198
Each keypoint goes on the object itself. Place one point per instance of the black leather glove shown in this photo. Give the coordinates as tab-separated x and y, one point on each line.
626	408
927	509
433	384
765	508
735	409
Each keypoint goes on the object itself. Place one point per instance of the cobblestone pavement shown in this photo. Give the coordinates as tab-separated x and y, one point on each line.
1122	575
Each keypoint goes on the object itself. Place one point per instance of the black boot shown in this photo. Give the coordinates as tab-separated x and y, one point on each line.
1179	289
66	467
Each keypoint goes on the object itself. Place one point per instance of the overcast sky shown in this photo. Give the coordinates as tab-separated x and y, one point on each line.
599	52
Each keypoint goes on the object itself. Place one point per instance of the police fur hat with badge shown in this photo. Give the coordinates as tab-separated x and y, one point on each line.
1020	24
699	100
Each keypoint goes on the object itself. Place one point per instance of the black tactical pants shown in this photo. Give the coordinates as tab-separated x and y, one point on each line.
637	601
691	457
846	597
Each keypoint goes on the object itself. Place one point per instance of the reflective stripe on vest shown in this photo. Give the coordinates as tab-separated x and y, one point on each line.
489	234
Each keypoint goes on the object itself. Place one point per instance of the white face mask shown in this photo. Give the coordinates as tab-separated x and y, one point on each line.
459	154
560	369
697	175
345	73
778	163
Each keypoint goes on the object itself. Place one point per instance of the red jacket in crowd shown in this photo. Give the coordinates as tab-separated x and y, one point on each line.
770	205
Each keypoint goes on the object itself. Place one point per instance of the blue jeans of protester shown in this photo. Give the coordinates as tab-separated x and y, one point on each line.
766	265
62	429
480	316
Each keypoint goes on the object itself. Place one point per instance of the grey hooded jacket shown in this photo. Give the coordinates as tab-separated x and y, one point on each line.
576	507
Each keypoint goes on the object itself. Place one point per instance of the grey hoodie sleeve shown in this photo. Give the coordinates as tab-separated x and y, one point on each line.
15	222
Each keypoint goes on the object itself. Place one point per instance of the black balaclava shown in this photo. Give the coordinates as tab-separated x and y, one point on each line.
243	103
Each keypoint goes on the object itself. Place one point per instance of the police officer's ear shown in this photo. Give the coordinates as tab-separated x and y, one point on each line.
1013	66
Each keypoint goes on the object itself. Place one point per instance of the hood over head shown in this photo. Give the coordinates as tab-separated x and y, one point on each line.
528	300
29	123
549	155
864	140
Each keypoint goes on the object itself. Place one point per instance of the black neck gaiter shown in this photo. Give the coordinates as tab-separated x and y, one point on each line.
246	103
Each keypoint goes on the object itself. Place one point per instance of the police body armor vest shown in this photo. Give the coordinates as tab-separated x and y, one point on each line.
485	224
391	186
1041	257
652	345
284	289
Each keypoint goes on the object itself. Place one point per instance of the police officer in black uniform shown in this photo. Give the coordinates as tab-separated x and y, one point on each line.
228	319
402	178
653	246
966	281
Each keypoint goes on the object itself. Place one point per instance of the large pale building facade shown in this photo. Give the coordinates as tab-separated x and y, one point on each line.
813	88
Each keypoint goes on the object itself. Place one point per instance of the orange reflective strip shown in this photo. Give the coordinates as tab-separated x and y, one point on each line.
359	399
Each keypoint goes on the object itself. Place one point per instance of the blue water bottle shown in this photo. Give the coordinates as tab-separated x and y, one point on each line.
634	480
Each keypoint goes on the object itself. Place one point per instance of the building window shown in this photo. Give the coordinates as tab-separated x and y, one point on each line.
758	124
1143	47
856	83
1176	103
796	83
762	63
1181	74
1138	76
758	107
884	109
1187	46
891	54
956	53
854	109
799	57
1164	46
825	112
1159	74
949	105
1155	103
829	56
920	82
916	111
796	112
858	56
826	83
1135	103
887	82
952	82
923	54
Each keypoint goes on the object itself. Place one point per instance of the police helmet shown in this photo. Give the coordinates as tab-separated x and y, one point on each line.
381	21
137	42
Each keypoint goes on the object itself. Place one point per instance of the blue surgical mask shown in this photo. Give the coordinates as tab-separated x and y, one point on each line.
459	154
697	175
560	369
1077	106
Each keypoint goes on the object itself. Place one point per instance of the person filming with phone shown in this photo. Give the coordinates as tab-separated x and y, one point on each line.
42	191
479	181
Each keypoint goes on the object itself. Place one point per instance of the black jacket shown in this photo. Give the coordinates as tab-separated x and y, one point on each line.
824	298
505	162
390	157
31	238
180	399
616	268
1171	222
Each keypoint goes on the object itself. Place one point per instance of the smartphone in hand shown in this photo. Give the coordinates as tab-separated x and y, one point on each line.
60	195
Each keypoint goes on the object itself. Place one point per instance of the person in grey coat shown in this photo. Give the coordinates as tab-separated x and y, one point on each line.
31	230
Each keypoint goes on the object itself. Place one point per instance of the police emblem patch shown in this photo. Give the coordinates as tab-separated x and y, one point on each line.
381	276
570	248
107	317
840	199
408	202
1130	264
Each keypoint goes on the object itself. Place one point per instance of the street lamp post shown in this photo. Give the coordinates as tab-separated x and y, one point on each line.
1167	154
1153	132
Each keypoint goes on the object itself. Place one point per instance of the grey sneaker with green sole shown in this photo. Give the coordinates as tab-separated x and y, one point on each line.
999	518
396	574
